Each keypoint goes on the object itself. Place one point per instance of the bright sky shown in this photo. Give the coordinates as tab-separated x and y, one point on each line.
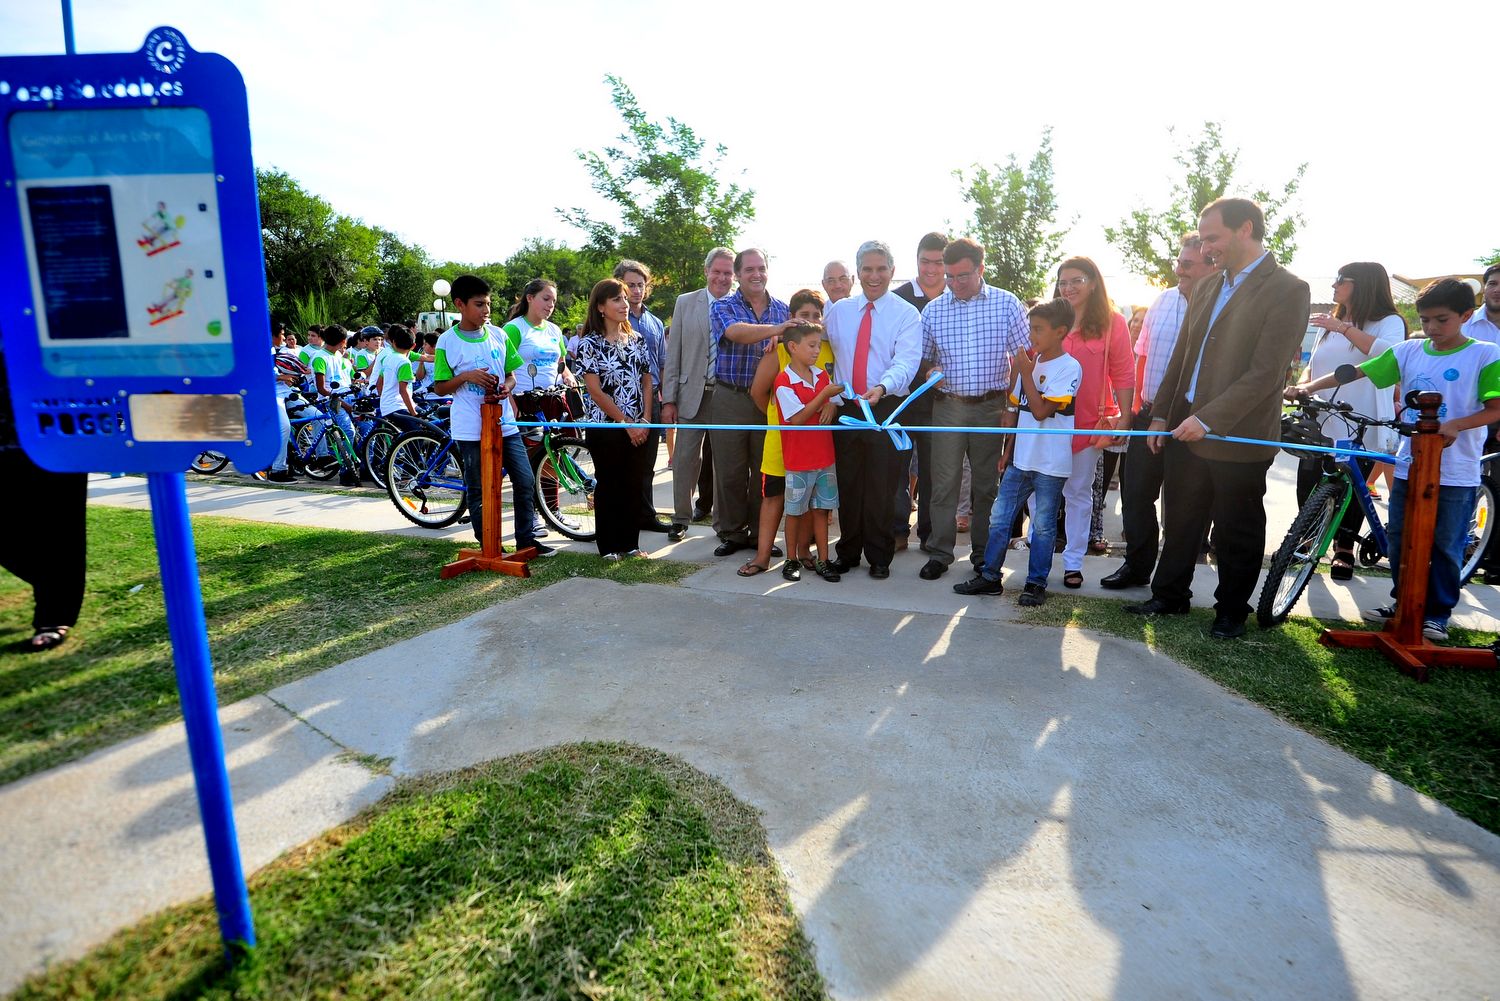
455	124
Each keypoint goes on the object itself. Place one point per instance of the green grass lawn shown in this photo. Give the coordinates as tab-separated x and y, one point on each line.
584	871
281	602
1441	738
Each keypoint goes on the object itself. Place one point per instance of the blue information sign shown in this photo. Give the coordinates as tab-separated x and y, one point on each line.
132	283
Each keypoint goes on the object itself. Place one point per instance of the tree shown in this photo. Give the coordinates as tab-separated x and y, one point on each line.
673	207
1493	257
316	259
1149	239
1014	214
404	287
575	274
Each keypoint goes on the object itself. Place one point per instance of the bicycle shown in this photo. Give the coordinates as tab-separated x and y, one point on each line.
561	463
208	462
375	449
318	447
424	478
1317	521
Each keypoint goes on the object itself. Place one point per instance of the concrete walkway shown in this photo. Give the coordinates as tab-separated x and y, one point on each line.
964	806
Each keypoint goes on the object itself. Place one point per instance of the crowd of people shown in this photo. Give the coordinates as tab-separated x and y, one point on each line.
736	368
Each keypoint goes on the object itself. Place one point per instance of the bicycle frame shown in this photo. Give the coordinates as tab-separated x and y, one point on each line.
1361	492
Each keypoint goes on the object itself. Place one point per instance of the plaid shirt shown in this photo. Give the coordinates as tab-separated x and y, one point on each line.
736	363
1158	337
972	340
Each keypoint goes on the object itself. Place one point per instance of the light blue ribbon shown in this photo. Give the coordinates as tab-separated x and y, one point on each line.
867	422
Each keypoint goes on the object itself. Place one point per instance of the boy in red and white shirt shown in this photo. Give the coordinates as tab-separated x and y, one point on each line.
812	487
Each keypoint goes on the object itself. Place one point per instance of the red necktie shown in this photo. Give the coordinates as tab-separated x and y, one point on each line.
862	350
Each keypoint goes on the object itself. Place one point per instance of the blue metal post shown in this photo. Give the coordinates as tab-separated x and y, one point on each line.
67	6
200	709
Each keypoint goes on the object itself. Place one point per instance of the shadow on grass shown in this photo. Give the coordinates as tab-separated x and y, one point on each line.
281	603
580	871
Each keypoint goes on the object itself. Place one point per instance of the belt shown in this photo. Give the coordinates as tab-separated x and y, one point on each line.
993	394
730	385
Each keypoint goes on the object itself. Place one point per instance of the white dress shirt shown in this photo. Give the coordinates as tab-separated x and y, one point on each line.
895	341
1481	327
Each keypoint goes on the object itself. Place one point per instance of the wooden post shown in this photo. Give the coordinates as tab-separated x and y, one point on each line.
492	467
1402	640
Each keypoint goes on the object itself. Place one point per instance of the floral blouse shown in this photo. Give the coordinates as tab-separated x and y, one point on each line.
619	366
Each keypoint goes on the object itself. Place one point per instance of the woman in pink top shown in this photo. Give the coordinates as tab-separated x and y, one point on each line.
1100	340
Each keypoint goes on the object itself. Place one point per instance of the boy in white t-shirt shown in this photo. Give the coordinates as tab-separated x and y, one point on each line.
1043	390
1467	373
393	380
333	373
474	360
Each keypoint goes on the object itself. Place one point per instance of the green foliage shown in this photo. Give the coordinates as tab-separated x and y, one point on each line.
1015	210
403	287
1493	257
673	207
1149	239
574	272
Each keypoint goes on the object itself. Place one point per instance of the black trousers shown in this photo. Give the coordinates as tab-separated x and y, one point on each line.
1138	494
619	468
648	495
705	501
52	562
867	465
1232	494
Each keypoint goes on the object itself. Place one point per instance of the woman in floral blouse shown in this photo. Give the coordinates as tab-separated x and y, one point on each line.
612	359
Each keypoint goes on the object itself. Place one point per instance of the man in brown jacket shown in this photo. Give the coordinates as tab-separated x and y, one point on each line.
1226	377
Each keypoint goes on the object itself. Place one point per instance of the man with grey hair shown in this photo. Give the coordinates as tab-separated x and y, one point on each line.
687	388
836	281
876	337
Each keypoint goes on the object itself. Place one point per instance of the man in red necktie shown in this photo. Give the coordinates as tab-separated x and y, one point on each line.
877	343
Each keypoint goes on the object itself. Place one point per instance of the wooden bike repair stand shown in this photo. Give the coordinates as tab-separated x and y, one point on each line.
492	465
1402	639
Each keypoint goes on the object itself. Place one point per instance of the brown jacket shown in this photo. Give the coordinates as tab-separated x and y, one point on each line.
1245	363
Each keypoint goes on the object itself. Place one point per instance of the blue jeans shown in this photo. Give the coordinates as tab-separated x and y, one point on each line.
522	487
278	464
1015	487
1455	510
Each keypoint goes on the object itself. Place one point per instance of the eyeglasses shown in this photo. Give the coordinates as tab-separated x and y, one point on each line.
1341	279
1072	282
635	285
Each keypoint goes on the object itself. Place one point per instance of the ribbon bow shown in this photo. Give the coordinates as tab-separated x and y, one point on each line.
898	434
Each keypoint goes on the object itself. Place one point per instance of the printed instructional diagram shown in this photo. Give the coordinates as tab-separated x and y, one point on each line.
161	231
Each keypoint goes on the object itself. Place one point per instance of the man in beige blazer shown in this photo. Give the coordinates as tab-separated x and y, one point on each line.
687	385
1226	376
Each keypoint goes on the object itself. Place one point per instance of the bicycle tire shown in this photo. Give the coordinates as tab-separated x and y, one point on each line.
565	498
376	450
317	467
1481	528
1297	557
208	462
408	484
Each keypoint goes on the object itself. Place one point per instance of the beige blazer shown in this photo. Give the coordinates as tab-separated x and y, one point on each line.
1245	363
685	369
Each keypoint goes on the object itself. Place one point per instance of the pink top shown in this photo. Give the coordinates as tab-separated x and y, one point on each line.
1091	358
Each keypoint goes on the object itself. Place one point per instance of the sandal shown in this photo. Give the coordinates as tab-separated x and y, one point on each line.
1099	547
48	637
1073	579
1342	565
808	563
751	569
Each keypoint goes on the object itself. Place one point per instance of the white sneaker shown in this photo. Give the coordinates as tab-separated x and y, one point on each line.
1435	630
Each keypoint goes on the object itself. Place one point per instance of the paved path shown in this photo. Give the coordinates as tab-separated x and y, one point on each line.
964	806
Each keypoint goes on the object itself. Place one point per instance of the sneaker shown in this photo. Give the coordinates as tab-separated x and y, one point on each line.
542	549
1032	595
261	475
825	569
1384	613
791	571
282	476
1435	630
978	584
348	479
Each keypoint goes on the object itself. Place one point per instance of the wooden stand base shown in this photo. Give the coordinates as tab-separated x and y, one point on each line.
512	564
1411	659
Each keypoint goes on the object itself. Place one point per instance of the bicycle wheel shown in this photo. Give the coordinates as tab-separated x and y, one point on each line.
207	462
565	487
376	451
424	479
317	467
1306	541
1481	528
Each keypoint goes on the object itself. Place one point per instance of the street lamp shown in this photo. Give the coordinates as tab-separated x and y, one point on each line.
440	288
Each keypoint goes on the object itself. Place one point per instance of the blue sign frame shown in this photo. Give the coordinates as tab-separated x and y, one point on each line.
133	302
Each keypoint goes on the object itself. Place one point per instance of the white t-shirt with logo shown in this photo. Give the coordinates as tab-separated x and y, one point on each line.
460	351
394	368
1466	376
336	368
542	347
1051	454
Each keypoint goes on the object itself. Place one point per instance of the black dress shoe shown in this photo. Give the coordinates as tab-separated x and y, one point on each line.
656	525
676	533
932	570
879	572
1123	578
701	515
729	547
839	566
1227	628
1158	607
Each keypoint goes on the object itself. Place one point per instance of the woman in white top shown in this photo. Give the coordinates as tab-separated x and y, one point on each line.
537	339
1364	324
